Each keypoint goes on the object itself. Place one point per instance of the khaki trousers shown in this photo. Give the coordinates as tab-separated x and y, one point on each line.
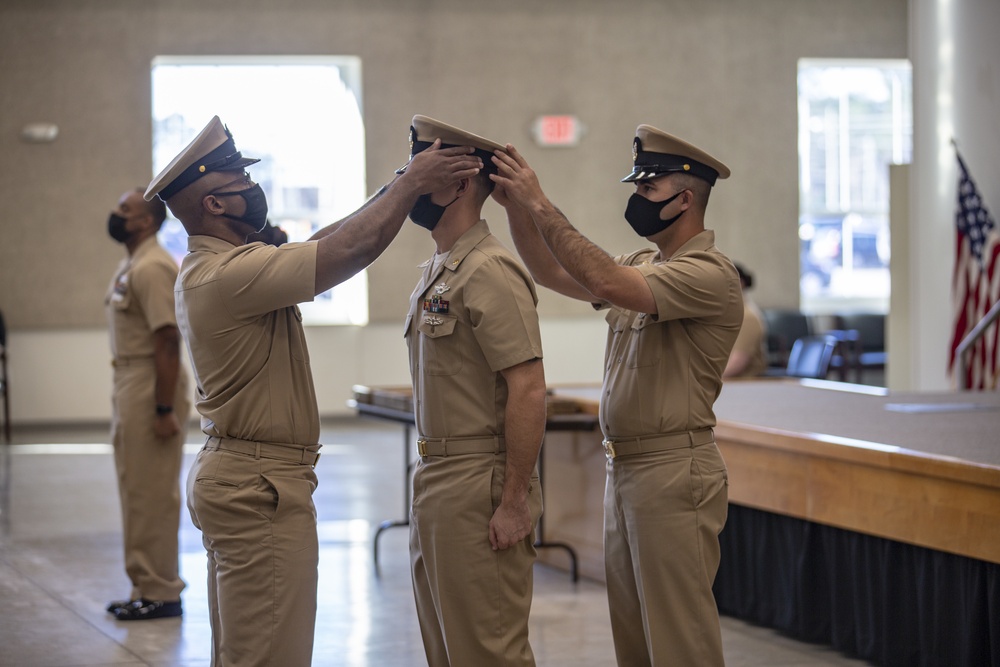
472	602
258	525
148	470
663	512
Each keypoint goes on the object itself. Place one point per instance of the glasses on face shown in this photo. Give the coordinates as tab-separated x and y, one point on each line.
244	180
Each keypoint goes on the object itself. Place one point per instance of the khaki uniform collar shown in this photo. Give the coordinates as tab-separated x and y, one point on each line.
209	243
143	248
466	243
463	246
701	241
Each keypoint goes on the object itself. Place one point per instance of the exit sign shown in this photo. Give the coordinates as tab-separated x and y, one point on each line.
557	131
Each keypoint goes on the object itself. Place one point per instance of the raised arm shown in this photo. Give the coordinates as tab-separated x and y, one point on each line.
585	263
348	246
537	257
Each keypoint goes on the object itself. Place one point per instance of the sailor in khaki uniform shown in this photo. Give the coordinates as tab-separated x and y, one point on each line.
674	312
479	395
150	407
749	355
250	489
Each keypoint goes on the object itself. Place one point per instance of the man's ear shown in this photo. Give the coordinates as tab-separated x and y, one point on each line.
213	205
687	199
463	187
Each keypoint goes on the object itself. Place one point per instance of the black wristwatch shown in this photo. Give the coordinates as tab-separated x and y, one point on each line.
163	409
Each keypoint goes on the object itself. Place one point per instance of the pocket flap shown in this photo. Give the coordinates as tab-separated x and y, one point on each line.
616	319
435	325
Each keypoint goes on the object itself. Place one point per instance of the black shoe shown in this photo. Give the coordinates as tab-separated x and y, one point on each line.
144	610
117	604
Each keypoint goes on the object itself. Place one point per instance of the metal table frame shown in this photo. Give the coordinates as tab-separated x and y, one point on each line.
568	422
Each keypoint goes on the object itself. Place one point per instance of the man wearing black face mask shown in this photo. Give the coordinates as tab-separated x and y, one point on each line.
250	489
150	407
479	394
675	312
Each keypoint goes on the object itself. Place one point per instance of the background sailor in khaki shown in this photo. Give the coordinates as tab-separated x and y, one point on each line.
479	391
749	355
250	489
150	407
674	313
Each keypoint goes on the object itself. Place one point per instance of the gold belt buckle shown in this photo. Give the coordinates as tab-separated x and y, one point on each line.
609	449
422	447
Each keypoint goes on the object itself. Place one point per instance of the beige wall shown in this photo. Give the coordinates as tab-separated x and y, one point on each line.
719	72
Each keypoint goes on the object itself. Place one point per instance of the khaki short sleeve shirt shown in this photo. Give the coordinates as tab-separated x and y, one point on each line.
140	300
752	340
662	374
236	306
472	318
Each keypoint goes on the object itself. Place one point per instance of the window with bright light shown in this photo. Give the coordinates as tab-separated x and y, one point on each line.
302	117
855	119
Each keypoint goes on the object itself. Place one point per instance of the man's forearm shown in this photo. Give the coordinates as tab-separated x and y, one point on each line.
361	237
531	246
584	261
329	229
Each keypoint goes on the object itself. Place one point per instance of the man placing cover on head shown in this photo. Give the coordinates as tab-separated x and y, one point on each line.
674	313
479	396
250	489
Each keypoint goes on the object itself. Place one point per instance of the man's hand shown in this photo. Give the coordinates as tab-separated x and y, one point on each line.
436	168
500	195
518	180
166	425
510	524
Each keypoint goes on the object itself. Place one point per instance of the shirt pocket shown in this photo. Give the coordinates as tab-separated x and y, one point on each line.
441	353
617	320
644	342
296	337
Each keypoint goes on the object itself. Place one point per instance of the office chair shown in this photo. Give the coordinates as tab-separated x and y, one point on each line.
784	327
810	357
871	337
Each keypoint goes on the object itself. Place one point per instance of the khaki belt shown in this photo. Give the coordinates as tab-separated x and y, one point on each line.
615	447
490	444
306	455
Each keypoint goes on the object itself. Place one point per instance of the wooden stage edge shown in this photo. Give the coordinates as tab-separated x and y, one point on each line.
931	501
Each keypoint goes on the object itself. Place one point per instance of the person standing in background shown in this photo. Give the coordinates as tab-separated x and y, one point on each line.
150	407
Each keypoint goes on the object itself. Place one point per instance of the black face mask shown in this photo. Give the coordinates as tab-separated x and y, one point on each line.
256	210
116	228
426	213
644	215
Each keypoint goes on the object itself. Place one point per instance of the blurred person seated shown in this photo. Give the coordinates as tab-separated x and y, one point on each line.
749	355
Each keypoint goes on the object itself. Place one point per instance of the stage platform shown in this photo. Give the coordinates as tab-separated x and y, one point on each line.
862	519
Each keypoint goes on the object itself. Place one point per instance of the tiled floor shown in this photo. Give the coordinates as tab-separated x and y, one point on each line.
61	562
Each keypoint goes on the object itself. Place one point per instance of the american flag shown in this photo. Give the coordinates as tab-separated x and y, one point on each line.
975	284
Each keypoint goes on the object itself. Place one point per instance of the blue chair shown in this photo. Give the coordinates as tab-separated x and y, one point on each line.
810	357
